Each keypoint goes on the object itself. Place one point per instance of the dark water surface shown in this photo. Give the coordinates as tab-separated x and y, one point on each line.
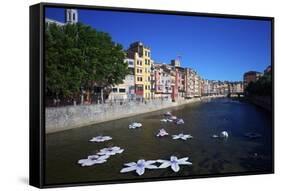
209	156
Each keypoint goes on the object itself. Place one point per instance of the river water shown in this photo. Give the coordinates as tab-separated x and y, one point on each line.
237	154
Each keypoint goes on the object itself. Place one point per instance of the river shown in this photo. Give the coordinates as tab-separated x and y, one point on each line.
236	154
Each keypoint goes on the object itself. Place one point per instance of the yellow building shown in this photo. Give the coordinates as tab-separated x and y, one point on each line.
143	62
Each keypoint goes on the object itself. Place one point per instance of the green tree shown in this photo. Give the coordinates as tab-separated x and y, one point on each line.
78	56
262	87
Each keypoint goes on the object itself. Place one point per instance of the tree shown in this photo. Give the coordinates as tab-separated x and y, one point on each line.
262	87
78	56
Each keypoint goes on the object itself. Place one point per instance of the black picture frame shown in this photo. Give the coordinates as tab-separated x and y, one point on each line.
37	81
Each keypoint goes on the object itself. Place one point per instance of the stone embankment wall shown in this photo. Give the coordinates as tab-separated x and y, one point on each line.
264	102
63	118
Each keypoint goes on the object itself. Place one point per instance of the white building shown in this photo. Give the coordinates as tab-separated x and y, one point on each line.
71	17
126	90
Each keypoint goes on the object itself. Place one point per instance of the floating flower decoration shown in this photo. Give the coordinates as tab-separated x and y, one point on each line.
182	136
179	121
139	166
173	117
168	114
162	133
135	125
224	134
215	136
101	138
110	151
174	163
93	159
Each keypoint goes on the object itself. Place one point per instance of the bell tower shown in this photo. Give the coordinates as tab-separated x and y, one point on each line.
71	16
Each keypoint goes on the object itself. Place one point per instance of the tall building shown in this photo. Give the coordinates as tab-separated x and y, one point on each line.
193	83
141	55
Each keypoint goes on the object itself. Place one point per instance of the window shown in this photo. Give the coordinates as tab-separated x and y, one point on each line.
145	87
73	16
114	89
148	78
122	90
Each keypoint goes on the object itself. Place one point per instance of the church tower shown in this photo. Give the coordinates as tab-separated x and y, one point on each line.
71	16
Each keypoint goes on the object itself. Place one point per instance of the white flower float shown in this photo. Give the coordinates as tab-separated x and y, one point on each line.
101	139
182	136
174	163
139	166
162	133
135	125
167	114
215	136
173	117
224	134
179	121
110	151
93	159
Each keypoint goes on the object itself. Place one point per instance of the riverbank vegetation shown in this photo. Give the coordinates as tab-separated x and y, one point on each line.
262	87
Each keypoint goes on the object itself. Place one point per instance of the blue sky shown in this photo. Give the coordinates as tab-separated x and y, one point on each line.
219	49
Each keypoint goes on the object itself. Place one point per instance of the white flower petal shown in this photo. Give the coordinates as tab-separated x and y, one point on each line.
82	161
183	159
140	170
165	164
161	161
185	163
175	167
100	161
103	157
150	166
128	169
88	163
173	158
130	164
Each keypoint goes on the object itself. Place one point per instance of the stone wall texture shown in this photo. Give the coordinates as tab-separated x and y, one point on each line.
63	118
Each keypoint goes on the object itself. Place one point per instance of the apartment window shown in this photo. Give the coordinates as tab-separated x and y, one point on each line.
148	87
148	62
122	90
114	89
148	78
145	87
